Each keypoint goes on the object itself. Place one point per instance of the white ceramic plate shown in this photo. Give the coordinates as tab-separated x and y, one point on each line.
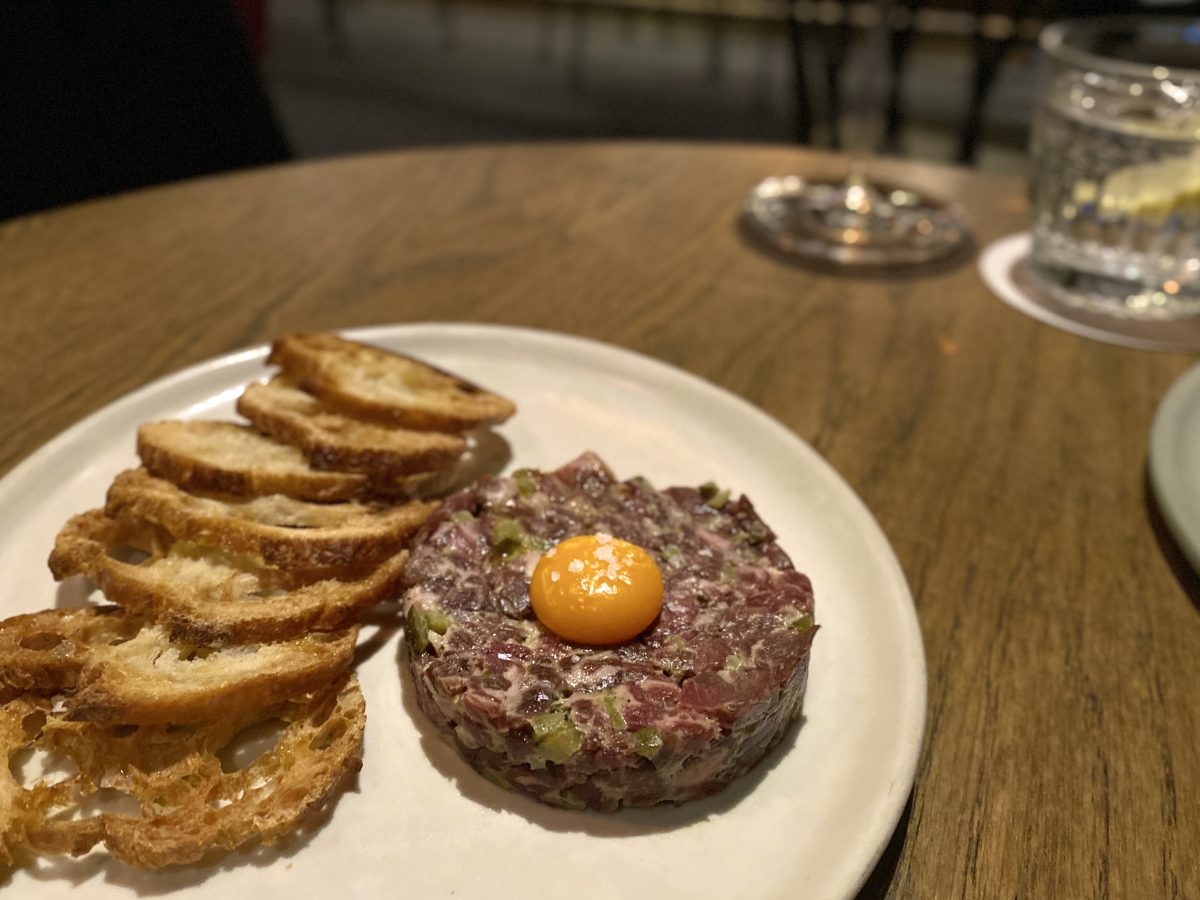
810	821
1175	462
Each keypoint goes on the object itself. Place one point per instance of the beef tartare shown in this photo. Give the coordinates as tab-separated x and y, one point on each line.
676	713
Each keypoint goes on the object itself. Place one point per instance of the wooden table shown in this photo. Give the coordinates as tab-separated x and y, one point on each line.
1005	460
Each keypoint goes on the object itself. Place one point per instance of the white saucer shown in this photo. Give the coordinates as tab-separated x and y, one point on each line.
1004	267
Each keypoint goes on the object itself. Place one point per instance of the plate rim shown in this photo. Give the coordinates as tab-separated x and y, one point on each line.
1182	395
889	809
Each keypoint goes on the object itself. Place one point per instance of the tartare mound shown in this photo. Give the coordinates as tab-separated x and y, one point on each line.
691	704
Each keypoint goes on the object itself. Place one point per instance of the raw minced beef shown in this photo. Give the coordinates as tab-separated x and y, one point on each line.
677	713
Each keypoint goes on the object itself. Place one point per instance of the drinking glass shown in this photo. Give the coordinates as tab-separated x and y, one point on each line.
1115	182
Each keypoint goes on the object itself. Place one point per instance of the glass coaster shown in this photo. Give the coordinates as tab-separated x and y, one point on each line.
1004	267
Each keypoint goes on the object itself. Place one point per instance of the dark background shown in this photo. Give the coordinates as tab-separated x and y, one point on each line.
108	95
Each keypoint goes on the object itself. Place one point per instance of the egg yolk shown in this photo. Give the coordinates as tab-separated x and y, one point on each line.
596	589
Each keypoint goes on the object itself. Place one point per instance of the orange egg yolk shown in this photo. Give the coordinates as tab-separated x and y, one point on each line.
596	589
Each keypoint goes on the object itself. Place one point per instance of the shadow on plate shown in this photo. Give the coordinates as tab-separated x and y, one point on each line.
487	454
385	620
77	592
1184	574
447	761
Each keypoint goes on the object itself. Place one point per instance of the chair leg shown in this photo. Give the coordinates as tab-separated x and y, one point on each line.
803	122
835	41
900	42
989	54
761	92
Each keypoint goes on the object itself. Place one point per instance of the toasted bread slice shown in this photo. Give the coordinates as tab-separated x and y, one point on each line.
239	461
43	653
388	387
312	540
332	441
207	595
117	668
190	803
234	459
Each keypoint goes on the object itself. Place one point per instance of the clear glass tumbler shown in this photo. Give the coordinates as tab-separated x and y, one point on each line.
1115	179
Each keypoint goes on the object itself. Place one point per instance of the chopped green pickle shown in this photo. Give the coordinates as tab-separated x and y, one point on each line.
508	530
555	736
422	621
614	715
719	499
734	662
438	620
709	489
461	516
802	624
526	485
562	743
649	742
671	553
509	539
544	724
416	630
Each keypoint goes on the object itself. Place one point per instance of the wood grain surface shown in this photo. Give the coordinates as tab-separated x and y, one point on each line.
1005	460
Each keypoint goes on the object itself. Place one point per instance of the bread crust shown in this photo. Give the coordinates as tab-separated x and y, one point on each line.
331	440
189	803
309	539
204	595
237	460
43	653
149	680
378	384
118	668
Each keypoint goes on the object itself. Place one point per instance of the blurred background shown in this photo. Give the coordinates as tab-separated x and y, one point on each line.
109	95
361	73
